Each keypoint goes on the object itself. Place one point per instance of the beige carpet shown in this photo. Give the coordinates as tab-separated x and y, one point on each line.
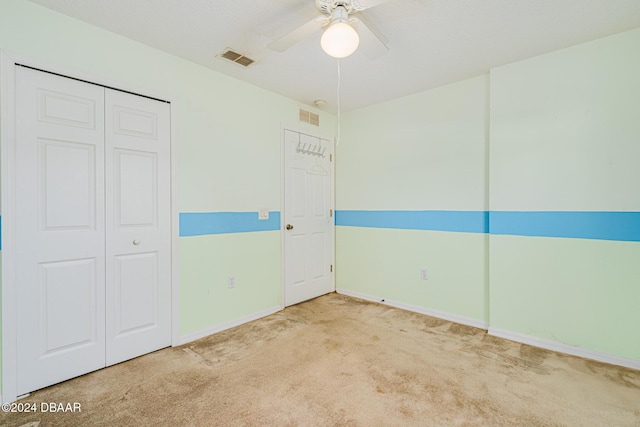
339	361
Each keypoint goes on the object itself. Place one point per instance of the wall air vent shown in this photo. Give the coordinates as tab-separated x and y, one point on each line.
236	57
308	117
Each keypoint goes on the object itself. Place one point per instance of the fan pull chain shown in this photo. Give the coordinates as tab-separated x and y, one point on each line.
338	96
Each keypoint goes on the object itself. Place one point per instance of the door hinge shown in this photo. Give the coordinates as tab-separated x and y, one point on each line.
331	157
331	268
331	213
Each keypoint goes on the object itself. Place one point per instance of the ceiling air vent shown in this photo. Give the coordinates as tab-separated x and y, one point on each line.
308	117
236	57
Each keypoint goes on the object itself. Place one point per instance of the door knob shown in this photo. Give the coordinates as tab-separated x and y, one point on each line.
136	242
289	227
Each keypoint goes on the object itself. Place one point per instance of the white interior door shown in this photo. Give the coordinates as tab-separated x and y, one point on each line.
308	217
60	240
138	226
93	232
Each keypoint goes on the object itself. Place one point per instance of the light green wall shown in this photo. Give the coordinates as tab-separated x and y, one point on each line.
565	135
227	142
578	292
207	262
385	264
426	151
565	128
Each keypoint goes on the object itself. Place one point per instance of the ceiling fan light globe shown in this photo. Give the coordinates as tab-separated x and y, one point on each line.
340	40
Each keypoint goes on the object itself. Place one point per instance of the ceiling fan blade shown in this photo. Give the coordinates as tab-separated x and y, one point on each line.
370	43
297	35
366	4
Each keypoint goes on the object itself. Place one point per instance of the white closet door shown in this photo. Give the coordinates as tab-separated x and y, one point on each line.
308	239
93	232
60	241
138	225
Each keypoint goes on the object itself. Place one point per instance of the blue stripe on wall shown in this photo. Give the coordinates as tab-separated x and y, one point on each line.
619	226
201	223
460	221
622	226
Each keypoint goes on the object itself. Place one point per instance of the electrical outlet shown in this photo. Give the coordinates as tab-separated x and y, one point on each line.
231	282
423	274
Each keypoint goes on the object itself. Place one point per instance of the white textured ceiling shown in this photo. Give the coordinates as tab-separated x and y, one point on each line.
431	42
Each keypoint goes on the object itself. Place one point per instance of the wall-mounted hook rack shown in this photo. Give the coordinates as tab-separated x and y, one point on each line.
313	150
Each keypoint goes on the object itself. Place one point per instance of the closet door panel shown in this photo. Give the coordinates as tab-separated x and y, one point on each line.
59	226
138	225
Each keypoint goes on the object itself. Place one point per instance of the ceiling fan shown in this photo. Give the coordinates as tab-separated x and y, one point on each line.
344	32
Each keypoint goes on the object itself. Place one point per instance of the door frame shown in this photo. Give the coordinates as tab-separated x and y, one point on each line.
332	174
8	63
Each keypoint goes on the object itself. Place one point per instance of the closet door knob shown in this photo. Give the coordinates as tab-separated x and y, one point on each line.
289	227
136	242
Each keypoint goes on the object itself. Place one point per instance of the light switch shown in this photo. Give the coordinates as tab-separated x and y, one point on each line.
263	214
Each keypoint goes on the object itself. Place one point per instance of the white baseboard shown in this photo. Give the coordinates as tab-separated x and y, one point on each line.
183	339
565	348
418	309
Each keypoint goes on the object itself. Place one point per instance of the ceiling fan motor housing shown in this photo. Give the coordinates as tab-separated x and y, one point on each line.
329	6
339	14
